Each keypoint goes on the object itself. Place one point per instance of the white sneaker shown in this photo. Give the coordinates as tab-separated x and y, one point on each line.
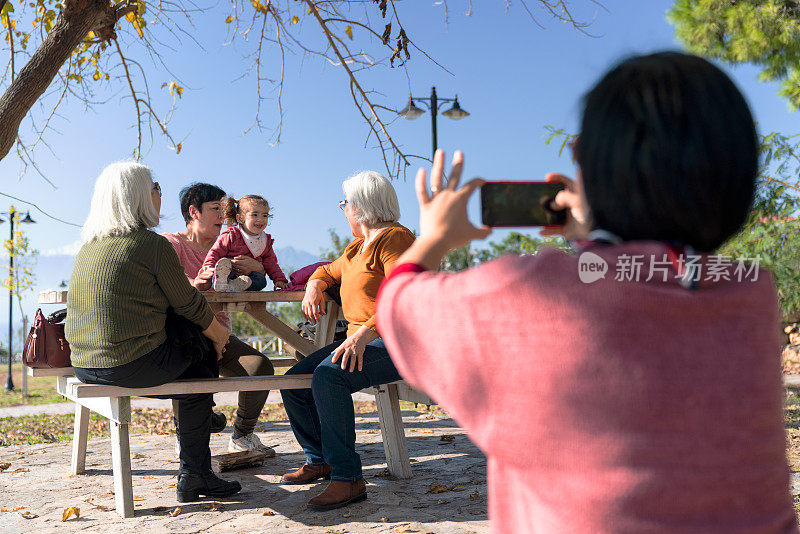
248	443
240	283
222	270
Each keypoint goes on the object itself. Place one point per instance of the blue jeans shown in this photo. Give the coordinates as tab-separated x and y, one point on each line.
259	281
322	418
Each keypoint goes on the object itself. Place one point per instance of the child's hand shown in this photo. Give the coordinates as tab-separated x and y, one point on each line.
281	285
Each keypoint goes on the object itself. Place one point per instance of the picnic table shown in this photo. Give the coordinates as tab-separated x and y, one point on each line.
113	402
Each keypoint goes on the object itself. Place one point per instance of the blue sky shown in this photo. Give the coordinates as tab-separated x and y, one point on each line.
511	75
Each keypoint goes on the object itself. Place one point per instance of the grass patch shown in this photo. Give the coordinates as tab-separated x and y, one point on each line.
41	390
52	428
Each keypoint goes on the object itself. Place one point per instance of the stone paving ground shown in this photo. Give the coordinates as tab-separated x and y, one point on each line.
38	479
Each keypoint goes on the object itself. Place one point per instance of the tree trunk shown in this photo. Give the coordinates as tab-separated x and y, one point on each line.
76	19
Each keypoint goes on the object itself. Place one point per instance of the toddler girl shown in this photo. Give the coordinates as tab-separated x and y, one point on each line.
247	238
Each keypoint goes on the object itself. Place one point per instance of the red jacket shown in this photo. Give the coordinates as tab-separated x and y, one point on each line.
231	243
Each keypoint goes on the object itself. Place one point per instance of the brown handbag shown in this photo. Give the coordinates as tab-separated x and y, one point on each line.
46	345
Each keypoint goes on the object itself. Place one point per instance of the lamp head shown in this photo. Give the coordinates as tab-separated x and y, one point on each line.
27	219
455	112
411	111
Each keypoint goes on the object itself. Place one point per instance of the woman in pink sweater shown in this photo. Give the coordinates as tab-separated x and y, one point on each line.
645	398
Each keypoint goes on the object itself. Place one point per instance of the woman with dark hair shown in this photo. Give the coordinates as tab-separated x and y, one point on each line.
201	206
618	403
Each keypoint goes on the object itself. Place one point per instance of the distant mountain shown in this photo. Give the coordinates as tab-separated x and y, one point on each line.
290	259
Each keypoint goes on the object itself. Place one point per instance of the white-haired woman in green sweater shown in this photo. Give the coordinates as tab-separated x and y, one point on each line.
133	319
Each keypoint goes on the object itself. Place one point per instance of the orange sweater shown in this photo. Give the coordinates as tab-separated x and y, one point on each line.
360	273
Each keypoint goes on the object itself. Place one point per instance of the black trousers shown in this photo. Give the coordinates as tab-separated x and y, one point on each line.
185	354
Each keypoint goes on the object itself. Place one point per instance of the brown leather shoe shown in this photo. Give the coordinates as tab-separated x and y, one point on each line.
339	494
307	474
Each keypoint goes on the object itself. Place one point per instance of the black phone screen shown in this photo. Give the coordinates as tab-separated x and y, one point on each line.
520	204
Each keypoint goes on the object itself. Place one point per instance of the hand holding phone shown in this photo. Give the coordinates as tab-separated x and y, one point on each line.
509	203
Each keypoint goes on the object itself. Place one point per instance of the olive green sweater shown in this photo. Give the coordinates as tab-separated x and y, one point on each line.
119	292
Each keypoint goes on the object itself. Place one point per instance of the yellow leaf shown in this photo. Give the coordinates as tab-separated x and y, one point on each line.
261	8
404	529
175	88
4	466
137	498
349	32
178	148
29	515
437	487
90	35
295	19
97	76
229	19
268	512
130	17
69	512
175	512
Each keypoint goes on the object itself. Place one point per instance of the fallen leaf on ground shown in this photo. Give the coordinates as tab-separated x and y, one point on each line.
443	501
175	512
171	485
422	430
12	509
384	473
447	437
437	487
138	456
405	529
268	512
358	419
110	492
371	432
159	508
137	498
21	470
384	520
213	507
104	508
475	495
69	512
4	465
457	488
29	515
148	476
331	531
369	450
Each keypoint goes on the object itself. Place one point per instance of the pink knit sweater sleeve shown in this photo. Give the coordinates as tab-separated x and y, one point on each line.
426	321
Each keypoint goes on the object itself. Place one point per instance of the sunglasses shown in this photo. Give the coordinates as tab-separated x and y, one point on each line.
157	188
342	204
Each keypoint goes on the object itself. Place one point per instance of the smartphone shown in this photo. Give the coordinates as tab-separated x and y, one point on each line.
520	204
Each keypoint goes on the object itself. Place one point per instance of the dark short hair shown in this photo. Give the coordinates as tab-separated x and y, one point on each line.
196	195
668	151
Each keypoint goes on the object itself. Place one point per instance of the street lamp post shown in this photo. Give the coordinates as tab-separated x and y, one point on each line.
433	103
11	214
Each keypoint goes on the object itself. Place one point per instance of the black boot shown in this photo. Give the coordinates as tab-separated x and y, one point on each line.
191	486
218	422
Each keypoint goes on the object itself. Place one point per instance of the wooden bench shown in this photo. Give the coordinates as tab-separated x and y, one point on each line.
114	403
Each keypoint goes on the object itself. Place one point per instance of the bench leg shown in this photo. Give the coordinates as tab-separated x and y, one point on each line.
121	458
394	437
80	435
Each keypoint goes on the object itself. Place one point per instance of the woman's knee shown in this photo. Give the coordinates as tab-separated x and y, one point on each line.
327	373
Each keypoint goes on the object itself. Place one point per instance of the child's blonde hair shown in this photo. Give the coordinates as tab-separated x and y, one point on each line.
232	207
